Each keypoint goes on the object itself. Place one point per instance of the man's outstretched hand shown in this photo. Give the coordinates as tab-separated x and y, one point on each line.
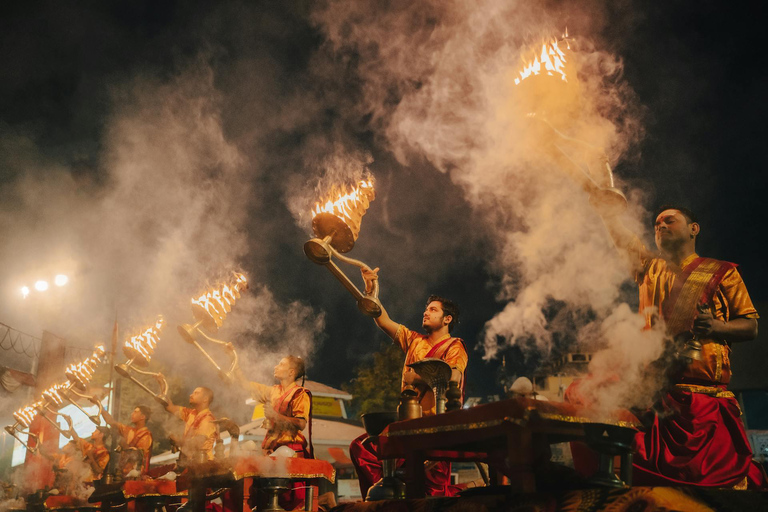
369	276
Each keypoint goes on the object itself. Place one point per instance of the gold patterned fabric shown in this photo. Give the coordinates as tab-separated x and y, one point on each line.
297	406
731	300
199	424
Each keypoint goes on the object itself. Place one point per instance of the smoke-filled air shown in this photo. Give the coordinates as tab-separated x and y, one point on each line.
213	165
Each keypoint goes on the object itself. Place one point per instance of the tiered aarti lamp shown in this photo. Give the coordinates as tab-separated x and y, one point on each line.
547	92
52	399
24	417
79	376
139	350
210	310
336	225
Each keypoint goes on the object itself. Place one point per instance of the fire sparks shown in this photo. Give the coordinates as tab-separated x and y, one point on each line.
142	346
551	61
217	302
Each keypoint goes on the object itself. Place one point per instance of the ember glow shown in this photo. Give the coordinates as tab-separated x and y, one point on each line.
142	346
217	302
551	61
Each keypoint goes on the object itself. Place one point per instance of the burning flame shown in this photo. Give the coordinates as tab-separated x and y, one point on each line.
53	394
218	301
82	372
551	60
26	414
348	203
143	345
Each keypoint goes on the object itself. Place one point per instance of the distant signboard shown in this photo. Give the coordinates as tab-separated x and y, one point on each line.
321	406
326	406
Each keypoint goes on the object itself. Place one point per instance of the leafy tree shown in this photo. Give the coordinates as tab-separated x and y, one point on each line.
377	386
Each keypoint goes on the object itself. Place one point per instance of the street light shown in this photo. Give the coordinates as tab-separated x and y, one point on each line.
42	285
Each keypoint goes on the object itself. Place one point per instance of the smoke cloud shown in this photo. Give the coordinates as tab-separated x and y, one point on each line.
163	219
438	84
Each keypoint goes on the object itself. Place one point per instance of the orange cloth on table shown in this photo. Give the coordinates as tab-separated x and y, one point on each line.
729	301
139	438
292	401
100	455
417	346
199	424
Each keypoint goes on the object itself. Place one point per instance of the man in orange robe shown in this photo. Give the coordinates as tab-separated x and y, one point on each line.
694	435
287	408
287	412
95	453
440	316
136	437
200	432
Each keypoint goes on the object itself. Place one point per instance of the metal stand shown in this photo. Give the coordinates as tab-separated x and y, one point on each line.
609	441
274	487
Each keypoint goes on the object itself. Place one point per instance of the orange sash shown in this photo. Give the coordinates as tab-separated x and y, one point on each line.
282	408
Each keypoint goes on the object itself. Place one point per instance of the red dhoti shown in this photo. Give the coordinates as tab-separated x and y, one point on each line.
697	439
368	467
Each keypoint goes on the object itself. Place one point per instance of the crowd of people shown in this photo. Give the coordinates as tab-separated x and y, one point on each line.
692	436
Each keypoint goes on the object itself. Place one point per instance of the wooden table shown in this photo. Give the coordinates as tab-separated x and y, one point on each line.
511	436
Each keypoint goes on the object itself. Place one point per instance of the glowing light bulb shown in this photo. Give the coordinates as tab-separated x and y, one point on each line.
24	291
41	285
61	280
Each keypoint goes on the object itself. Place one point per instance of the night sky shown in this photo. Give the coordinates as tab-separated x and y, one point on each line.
697	72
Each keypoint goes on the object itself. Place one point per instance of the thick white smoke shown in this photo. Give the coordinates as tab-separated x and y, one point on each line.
438	83
167	218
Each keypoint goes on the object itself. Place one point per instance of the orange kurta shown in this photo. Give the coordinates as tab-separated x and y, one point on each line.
292	401
730	301
139	438
416	347
199	424
100	455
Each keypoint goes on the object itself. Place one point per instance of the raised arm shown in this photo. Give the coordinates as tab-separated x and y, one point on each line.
111	421
171	407
385	323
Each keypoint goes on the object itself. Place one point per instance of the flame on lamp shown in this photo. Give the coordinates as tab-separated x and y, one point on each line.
347	205
26	414
80	374
141	347
211	308
53	394
551	60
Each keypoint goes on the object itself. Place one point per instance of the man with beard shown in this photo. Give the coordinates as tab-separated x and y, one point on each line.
694	434
200	432
133	438
440	317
